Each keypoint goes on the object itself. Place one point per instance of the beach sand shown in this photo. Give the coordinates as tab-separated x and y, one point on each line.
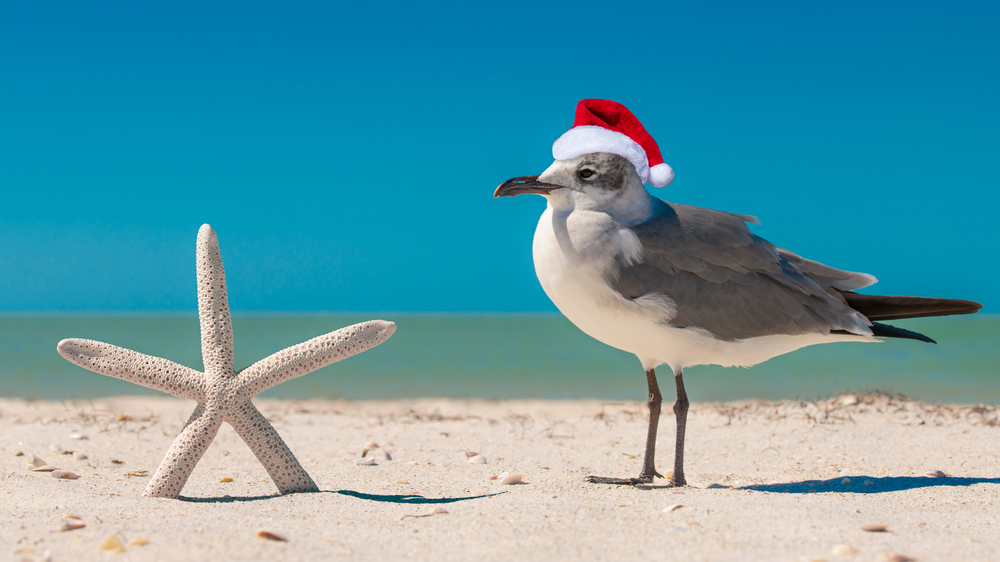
767	481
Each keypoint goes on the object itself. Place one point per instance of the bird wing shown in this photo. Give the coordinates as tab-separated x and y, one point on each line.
723	278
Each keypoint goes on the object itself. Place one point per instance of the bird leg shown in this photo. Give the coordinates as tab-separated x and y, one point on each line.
648	470
680	412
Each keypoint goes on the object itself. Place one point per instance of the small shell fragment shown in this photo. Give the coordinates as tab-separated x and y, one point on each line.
673	507
875	528
898	558
138	541
271	536
369	461
111	542
45	468
935	474
65	474
477	459
37	460
71	524
78	436
845	481
225	480
19	454
402	481
844	550
432	511
80	456
516	478
371	445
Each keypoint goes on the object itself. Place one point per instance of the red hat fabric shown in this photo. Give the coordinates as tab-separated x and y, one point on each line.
608	126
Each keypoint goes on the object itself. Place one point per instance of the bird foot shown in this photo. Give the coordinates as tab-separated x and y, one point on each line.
642	479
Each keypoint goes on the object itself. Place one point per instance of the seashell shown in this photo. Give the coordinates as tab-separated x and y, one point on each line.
845	481
935	474
65	475
898	558
515	478
848	400
844	550
72	524
401	481
477	459
668	474
875	528
371	445
45	468
365	461
19	454
59	450
271	536
469	453
138	541
80	456
37	460
78	436
225	480
111	542
673	507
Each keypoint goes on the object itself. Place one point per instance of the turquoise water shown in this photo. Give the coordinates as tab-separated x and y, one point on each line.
502	356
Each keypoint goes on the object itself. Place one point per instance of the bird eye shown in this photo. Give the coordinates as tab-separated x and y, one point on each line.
587	173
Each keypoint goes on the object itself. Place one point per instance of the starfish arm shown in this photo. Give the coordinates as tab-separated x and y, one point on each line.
146	370
184	454
213	306
269	448
314	354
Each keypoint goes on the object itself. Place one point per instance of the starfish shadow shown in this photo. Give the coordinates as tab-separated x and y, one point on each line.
408	498
228	499
858	484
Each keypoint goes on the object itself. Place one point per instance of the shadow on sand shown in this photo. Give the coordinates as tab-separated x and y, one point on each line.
867	484
409	498
395	498
228	499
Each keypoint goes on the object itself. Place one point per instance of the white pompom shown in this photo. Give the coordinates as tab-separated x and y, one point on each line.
661	175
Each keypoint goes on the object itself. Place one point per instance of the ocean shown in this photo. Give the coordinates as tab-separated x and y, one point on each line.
498	356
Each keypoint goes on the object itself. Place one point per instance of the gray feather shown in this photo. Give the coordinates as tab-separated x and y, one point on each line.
733	283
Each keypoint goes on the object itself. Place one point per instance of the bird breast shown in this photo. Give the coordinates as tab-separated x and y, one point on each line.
575	254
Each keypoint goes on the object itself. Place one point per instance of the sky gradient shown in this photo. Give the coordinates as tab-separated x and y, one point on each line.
347	155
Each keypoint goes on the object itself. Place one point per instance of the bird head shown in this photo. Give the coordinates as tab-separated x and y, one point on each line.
599	181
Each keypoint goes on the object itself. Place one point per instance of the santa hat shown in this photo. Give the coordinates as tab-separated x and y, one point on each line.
607	126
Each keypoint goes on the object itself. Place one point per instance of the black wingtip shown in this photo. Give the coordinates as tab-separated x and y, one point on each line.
881	330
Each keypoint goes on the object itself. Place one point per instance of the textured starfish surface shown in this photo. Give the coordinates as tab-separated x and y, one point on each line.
222	394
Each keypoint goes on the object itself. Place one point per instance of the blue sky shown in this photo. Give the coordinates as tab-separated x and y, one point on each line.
347	155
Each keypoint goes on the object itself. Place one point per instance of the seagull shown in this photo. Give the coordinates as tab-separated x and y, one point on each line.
681	285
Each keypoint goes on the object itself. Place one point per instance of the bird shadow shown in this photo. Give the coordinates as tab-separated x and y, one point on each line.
409	498
867	484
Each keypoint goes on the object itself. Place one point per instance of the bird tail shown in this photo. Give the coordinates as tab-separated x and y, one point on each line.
879	307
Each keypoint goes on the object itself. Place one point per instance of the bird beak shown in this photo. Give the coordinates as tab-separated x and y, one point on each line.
524	184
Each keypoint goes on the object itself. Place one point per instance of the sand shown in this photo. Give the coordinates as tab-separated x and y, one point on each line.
768	481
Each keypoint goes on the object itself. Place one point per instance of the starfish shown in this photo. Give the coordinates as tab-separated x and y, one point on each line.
222	394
